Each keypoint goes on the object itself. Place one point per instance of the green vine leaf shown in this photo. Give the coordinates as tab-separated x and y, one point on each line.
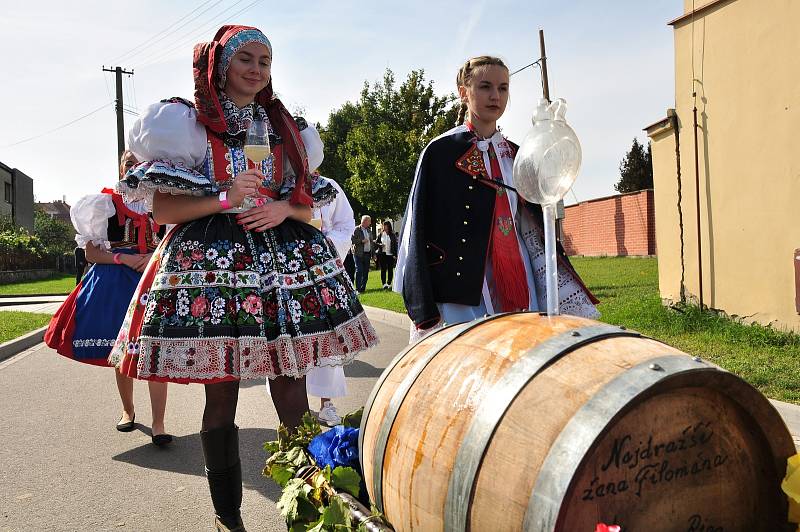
353	419
346	479
336	513
318	527
279	473
289	504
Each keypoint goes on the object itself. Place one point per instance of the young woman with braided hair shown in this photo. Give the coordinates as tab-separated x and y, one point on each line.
470	245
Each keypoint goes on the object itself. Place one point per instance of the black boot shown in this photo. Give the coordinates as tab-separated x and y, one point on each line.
224	473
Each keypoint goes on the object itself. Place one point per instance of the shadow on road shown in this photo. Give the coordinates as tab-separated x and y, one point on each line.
249	383
361	370
185	456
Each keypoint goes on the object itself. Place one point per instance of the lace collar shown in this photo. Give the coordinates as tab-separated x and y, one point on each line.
238	120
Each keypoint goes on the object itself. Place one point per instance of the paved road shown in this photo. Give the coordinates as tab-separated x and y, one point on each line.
43	304
64	467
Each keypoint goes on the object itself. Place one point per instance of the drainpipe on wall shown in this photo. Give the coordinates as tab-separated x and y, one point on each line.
673	120
697	202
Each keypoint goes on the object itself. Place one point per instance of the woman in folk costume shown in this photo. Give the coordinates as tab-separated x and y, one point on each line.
118	237
242	287
470	246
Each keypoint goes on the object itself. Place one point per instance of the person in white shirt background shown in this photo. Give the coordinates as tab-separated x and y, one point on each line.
327	382
335	220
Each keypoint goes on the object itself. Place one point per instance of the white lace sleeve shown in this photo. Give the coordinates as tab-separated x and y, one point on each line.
168	131
171	148
90	216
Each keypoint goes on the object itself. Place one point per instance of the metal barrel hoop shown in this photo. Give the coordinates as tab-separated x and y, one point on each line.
587	425
488	416
400	393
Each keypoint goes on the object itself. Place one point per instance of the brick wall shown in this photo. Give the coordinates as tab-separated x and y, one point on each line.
618	225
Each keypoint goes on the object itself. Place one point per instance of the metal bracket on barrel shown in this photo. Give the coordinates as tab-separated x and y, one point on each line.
488	416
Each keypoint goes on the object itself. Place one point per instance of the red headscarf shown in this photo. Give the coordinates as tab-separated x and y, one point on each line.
209	110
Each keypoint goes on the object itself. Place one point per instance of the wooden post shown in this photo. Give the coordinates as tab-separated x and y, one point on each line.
119	71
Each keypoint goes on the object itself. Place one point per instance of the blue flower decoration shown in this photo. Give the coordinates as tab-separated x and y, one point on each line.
336	447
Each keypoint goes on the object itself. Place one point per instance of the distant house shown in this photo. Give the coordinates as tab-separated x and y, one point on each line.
737	71
17	196
58	209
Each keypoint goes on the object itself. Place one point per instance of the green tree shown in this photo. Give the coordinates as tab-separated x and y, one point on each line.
19	249
57	237
372	146
334	136
636	169
7	223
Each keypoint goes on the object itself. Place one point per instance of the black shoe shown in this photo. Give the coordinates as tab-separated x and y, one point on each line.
128	425
221	526
160	440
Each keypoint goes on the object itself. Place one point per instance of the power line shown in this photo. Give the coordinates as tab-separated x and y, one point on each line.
129	90
147	43
62	126
133	84
193	35
537	63
108	90
154	58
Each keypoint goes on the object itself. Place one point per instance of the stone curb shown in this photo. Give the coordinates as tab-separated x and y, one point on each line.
17	345
8	296
389	317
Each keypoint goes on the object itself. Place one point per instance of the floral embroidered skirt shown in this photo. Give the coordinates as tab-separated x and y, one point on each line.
86	325
220	303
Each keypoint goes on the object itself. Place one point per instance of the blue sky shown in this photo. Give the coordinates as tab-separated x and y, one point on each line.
612	62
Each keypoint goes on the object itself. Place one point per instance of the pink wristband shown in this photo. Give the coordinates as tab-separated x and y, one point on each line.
223	201
117	258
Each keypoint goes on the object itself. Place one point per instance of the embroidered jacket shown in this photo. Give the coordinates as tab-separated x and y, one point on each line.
450	215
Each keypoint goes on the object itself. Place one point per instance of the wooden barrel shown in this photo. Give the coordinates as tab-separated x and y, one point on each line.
525	422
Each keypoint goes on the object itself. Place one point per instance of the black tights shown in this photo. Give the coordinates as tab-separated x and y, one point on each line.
221	401
288	395
290	399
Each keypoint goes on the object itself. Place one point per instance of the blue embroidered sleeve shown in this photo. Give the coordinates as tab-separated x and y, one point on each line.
322	191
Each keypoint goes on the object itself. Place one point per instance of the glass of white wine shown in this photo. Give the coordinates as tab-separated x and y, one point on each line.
256	147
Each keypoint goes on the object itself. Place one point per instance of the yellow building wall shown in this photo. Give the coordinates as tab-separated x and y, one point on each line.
745	56
665	184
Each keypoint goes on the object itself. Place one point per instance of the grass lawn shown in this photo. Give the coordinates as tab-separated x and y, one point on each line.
58	284
14	324
628	290
376	296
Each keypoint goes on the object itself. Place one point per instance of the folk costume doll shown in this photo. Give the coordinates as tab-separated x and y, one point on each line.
243	287
470	246
118	237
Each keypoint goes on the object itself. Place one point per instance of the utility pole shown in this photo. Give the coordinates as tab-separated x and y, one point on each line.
546	94
543	64
119	71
